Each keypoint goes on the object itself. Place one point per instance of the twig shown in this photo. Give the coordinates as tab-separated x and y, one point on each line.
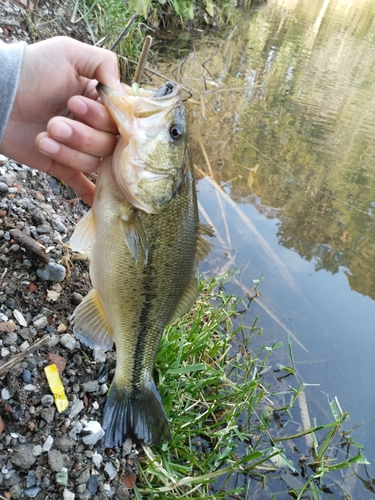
221	46
142	59
124	32
18	357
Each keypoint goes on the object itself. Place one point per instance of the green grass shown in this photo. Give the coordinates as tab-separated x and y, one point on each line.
222	408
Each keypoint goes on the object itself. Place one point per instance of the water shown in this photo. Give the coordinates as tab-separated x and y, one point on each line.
286	125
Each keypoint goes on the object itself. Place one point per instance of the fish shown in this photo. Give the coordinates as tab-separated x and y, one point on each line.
145	242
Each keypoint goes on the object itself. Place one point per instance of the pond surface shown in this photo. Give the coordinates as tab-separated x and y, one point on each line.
283	119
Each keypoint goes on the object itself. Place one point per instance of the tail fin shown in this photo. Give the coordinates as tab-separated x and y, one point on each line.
136	415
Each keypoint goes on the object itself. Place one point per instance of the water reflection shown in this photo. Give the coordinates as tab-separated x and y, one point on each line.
305	106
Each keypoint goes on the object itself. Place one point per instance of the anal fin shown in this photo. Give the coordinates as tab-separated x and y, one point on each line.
90	323
187	300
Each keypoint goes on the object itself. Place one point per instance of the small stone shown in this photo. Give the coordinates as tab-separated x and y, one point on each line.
24	346
76	429
62	478
3	188
91	386
93	484
48	443
97	460
68	342
30	387
61	328
4	352
7	326
5	394
55	460
31	479
76	298
96	433
110	470
57	360
51	272
100	356
47	400
68	495
19	317
26	376
103	389
37	450
22	456
48	414
58	225
16	492
83	477
32	492
64	443
40	323
76	408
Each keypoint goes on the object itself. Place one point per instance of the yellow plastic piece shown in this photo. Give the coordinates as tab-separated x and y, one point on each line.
56	387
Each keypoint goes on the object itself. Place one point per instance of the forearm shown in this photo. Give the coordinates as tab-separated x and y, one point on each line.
11	56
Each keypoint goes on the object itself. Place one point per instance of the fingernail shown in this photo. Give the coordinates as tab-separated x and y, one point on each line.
78	106
61	130
49	146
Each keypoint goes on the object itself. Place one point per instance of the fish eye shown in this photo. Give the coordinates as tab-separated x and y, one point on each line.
176	132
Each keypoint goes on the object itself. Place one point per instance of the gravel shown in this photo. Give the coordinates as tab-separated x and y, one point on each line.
44	453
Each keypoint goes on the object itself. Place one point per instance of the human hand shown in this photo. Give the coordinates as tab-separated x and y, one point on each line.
58	79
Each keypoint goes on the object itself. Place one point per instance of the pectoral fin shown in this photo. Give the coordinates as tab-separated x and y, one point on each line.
135	235
90	323
84	234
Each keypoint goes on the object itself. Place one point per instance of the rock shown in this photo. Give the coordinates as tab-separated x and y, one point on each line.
58	225
68	342
91	386
100	356
37	450
26	376
52	272
76	409
19	317
96	433
48	414
16	492
38	217
68	495
93	484
5	394
55	460
31	492
7	326
62	478
3	188
23	457
64	443
40	323
31	479
47	400
97	460
110	470
76	429
48	443
83	477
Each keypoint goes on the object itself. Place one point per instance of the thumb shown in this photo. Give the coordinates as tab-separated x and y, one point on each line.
93	62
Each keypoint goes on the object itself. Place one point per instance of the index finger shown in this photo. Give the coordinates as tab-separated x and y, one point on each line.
92	113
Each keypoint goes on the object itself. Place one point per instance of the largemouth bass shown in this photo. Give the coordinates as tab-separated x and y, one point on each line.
146	241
